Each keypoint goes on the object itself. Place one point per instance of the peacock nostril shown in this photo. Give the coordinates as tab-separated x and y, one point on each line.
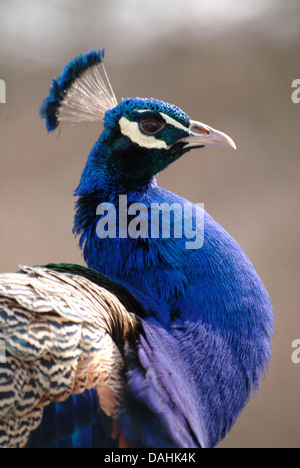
199	129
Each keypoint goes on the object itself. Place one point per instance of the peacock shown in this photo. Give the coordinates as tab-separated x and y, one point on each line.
161	340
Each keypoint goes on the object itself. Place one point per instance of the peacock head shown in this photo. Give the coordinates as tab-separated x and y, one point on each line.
141	137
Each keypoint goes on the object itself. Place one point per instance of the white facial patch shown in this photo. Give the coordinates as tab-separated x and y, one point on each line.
132	131
173	122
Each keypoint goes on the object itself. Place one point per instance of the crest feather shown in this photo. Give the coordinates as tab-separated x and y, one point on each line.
82	92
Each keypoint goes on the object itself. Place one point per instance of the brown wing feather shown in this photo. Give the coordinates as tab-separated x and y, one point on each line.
57	330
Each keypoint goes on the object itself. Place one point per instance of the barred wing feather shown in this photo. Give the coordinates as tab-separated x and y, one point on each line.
59	331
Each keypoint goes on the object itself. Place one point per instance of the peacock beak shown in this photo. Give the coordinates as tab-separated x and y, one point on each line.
203	135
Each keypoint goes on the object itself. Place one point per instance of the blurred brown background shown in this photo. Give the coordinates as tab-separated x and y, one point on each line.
227	63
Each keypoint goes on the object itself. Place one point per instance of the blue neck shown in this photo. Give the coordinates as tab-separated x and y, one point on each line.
209	299
116	167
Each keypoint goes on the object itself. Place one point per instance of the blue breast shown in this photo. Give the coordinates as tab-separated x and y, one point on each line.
211	302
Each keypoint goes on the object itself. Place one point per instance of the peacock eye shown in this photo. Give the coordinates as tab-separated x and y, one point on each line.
151	126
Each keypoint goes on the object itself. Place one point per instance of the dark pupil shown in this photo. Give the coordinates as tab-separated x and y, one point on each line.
150	127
